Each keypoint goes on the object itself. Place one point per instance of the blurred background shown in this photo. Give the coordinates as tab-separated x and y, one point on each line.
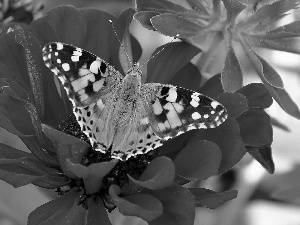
254	204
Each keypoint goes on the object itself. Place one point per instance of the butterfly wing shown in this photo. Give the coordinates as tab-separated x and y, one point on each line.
90	83
84	76
175	110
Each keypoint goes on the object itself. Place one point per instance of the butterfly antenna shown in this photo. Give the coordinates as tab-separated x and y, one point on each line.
112	24
174	38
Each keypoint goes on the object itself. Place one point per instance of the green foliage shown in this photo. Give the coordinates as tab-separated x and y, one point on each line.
156	194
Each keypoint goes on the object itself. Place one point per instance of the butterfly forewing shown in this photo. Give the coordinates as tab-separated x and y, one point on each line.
84	76
175	110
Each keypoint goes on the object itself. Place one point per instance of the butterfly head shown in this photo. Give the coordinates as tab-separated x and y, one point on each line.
133	75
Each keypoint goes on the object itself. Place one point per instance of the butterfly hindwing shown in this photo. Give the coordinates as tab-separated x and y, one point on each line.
84	76
175	110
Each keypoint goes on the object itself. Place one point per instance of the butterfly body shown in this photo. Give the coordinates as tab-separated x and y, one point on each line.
119	113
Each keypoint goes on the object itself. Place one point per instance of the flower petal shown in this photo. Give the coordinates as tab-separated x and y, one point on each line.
92	175
158	174
178	206
141	205
199	160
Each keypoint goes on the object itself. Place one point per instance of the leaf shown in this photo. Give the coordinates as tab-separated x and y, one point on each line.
269	13
172	25
159	6
144	206
188	77
257	94
163	67
144	17
233	8
255	128
287	31
286	45
96	212
62	210
198	5
67	147
210	199
276	123
291	194
178	206
199	160
212	87
232	75
227	137
122	28
235	104
279	94
158	174
264	156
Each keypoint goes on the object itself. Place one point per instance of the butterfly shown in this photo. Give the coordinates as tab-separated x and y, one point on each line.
120	114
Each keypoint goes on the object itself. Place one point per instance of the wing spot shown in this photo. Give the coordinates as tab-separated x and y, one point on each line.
214	104
59	46
196	116
66	67
194	103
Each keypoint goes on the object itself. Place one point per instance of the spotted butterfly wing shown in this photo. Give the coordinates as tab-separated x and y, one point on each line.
176	110
84	76
121	115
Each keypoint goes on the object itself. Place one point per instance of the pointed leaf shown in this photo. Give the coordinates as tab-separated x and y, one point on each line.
233	8
199	160
264	156
272	11
287	31
62	210
144	17
178	206
232	75
210	199
286	45
171	25
158	174
279	94
96	212
163	67
144	206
